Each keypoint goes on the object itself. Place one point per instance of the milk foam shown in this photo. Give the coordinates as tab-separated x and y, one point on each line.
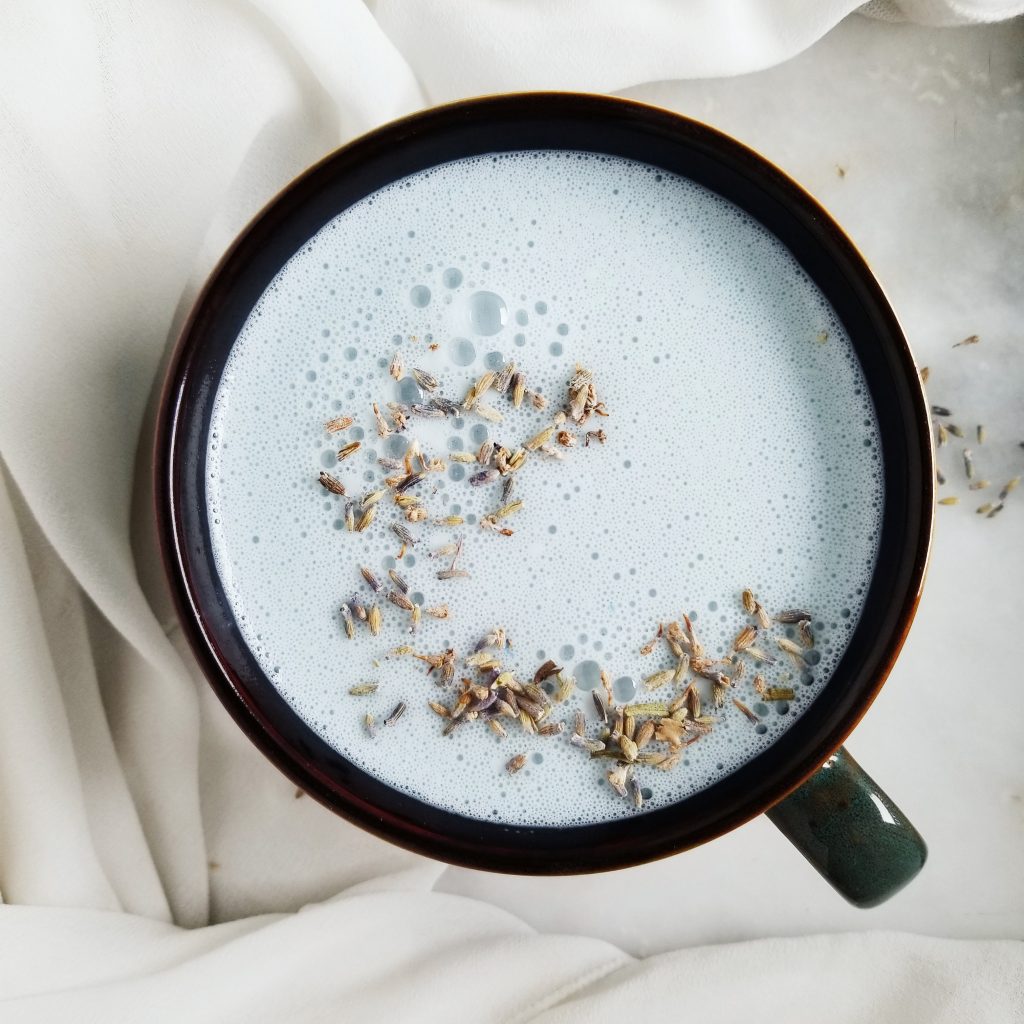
742	450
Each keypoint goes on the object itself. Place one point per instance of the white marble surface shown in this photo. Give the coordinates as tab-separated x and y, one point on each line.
928	126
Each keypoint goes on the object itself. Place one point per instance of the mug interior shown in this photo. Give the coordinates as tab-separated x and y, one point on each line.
535	122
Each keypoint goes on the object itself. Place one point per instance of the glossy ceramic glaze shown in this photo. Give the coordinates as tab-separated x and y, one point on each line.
853	834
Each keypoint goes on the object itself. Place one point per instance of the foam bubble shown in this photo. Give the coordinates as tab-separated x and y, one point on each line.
487	313
461	351
419	296
740	451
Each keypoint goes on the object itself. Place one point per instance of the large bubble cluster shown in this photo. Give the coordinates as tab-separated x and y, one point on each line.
742	451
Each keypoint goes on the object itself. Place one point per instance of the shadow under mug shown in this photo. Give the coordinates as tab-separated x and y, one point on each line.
806	782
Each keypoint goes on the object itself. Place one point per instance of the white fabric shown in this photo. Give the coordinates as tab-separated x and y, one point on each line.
458	48
391	952
135	140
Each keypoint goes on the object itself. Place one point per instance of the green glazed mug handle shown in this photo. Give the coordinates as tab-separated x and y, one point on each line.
851	832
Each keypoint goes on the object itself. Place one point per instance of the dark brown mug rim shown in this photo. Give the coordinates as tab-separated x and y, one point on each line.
574	122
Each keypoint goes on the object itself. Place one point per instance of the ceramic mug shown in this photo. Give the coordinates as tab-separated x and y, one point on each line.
806	782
